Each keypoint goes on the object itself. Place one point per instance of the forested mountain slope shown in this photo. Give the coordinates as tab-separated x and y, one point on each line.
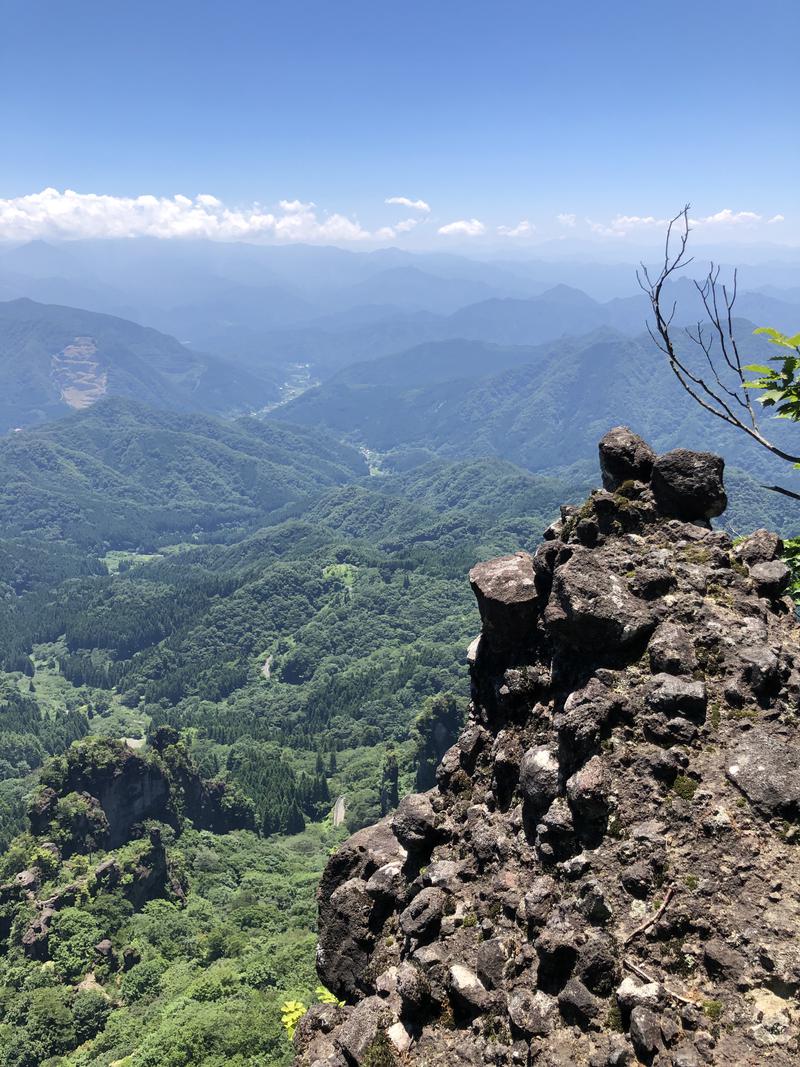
544	414
128	474
54	358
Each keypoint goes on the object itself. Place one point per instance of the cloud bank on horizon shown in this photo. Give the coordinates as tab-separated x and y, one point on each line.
55	214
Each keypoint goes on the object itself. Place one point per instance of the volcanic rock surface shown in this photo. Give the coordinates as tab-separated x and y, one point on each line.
608	871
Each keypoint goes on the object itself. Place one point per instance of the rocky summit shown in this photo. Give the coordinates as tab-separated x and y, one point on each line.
607	870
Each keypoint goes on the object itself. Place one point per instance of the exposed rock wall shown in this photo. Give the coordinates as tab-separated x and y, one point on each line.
98	794
607	871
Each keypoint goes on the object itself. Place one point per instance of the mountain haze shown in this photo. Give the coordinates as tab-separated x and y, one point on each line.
54	358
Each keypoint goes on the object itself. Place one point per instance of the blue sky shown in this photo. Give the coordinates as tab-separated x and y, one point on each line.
494	114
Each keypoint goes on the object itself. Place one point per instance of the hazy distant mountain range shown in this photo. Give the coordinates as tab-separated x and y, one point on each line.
414	355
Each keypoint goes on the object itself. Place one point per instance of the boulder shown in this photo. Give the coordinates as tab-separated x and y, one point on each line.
578	1005
686	1055
388	882
538	902
508	601
671	651
597	965
401	1037
688	485
108	873
632	993
363	1028
760	670
624	457
557	948
532	1012
547	557
28	881
539	777
765	766
668	694
36	937
762	546
580	724
414	823
638	878
587	794
104	950
444	874
645	1033
771	579
492	960
721	960
423	916
467	991
592	610
663	730
313	1035
346	940
130	957
555	833
413	989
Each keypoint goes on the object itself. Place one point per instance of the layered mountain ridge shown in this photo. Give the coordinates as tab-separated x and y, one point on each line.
607	871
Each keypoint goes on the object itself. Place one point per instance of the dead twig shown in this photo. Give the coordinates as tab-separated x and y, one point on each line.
723	389
645	977
653	918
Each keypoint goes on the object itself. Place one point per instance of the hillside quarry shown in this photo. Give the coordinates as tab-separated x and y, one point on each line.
607	870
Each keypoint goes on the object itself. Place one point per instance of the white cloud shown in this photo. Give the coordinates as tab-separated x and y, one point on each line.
463	228
774	219
69	214
294	207
405	201
567	219
630	222
522	229
603	229
621	225
726	217
388	233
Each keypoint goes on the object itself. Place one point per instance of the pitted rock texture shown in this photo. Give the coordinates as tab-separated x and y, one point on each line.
608	871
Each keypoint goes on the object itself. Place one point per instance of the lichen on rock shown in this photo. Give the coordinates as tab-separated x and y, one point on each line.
608	870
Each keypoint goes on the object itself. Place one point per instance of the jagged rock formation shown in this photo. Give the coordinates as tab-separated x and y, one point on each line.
146	874
607	871
103	795
95	795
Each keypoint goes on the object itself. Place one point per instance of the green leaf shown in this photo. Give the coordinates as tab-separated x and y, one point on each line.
778	338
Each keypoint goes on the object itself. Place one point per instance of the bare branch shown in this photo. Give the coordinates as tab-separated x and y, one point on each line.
711	393
782	491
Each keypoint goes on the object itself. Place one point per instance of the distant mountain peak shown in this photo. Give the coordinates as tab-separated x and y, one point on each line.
567	294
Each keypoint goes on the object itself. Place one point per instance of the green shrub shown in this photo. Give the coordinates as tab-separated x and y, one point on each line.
685	787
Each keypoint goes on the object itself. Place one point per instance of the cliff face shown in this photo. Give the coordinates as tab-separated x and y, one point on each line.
607	871
98	793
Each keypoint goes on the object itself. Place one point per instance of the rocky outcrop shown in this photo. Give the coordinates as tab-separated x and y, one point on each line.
607	872
143	875
100	793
